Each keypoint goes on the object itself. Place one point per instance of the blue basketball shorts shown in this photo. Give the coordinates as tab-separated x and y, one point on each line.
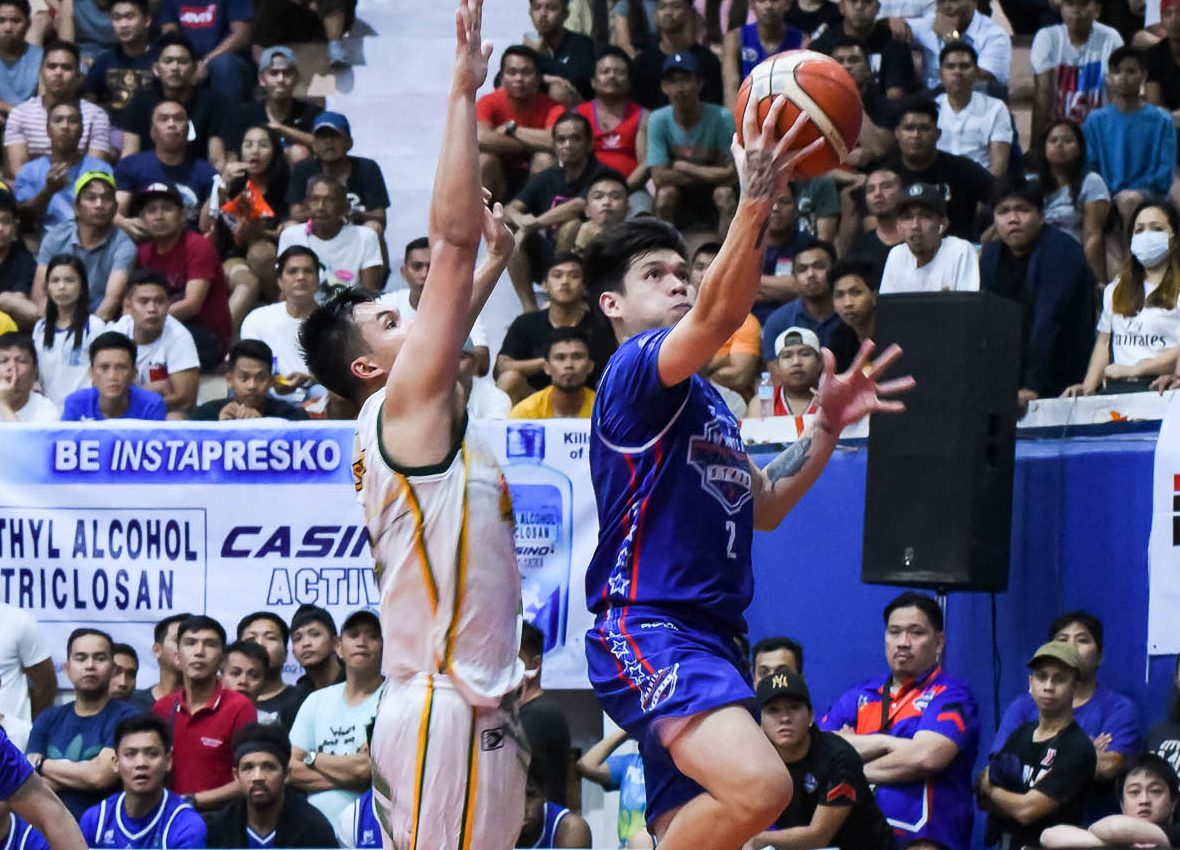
645	667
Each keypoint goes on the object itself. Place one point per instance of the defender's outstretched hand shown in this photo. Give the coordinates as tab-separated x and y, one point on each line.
471	51
847	398
765	163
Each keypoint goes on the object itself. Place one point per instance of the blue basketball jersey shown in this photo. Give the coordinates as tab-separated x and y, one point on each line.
173	824
752	52
366	831
22	836
554	814
673	486
261	842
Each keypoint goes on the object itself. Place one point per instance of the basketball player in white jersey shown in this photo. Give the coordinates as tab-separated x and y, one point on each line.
447	770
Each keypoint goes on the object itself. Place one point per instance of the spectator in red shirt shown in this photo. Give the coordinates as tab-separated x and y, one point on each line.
619	124
513	141
189	262
204	717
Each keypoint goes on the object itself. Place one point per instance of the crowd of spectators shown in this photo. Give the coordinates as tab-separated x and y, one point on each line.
221	752
163	181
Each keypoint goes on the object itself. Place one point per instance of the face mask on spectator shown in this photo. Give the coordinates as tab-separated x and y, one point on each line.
1150	247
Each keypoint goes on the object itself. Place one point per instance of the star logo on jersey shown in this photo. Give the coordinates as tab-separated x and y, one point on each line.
659	687
719	456
619	648
618	585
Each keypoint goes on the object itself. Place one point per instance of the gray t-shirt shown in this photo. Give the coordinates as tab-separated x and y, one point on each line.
116	253
1069	215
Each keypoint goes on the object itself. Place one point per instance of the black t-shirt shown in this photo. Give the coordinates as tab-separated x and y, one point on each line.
528	338
649	68
1059	767
548	734
17	269
1163	739
301	117
549	188
815	23
574	60
114	77
831	774
891	62
207	114
964	183
868	246
1162	68
1012	283
280	710
365	184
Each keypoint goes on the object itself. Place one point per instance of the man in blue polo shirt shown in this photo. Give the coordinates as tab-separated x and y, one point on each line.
1106	716
114	394
916	729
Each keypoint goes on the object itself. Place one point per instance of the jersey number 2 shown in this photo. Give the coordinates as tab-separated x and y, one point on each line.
731	530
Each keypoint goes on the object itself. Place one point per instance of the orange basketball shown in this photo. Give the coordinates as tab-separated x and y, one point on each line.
817	85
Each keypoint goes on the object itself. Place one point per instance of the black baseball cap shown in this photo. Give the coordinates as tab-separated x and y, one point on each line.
923	195
312	614
783	684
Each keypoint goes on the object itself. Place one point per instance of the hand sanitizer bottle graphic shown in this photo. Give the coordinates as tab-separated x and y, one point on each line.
542	499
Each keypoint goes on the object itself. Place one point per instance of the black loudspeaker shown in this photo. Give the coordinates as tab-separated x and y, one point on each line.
938	497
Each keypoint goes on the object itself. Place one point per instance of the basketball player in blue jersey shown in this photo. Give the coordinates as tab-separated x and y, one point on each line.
678	501
33	802
144	815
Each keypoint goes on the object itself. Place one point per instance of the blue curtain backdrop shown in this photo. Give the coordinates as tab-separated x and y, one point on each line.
1081	518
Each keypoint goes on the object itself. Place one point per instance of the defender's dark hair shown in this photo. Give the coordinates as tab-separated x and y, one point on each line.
608	258
331	340
926	604
773	644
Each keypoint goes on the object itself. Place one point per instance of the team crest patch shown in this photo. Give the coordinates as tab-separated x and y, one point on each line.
721	460
660	686
810	783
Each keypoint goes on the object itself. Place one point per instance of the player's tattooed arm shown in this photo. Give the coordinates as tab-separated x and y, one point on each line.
789	462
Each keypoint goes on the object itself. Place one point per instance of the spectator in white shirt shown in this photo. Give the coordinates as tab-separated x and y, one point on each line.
1139	327
19	402
1069	63
971	123
414	269
167	360
63	337
349	254
28	682
278	324
958	20
928	260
